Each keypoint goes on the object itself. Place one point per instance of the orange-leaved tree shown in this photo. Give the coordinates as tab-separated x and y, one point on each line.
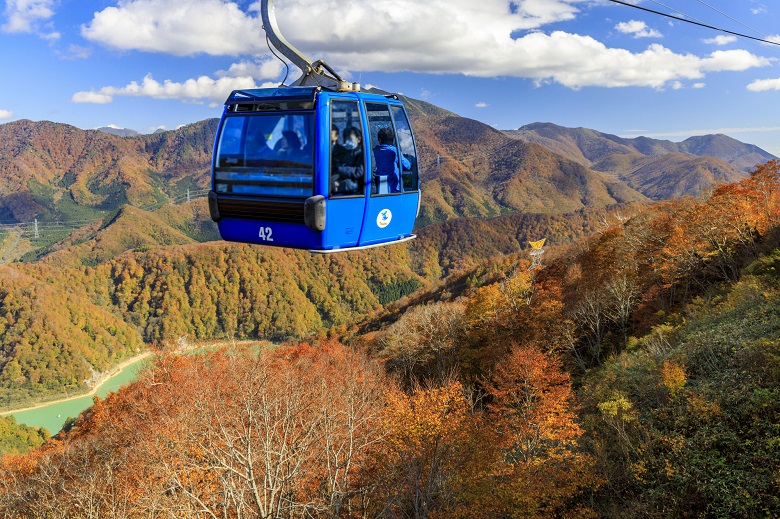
531	408
435	455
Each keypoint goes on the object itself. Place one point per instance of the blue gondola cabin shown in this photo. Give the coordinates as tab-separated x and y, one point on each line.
292	168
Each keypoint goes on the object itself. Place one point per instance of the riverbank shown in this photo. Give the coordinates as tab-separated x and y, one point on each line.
52	414
116	370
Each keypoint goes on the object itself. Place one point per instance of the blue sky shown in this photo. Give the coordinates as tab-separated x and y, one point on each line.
148	64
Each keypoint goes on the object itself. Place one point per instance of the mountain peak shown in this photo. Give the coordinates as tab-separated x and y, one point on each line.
121	132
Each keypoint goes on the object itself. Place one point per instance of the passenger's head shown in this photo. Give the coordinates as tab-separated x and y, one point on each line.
293	141
334	133
385	135
352	134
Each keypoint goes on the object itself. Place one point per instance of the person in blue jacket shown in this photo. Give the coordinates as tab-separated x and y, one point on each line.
386	157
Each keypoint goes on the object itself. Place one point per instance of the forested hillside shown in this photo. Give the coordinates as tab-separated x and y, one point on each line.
57	172
671	175
636	374
18	438
459	244
140	287
146	278
58	323
477	171
73	183
129	229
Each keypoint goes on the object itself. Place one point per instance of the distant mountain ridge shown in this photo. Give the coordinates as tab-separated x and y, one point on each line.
56	172
121	132
590	146
658	169
472	169
53	171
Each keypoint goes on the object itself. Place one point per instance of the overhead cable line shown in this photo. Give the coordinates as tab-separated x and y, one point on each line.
731	18
688	17
695	22
684	15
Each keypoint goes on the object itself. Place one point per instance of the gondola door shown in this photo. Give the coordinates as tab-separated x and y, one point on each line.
346	172
394	194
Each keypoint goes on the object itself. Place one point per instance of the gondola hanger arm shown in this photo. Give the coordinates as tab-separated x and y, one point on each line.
316	73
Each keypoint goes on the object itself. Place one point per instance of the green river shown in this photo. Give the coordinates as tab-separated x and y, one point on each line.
52	416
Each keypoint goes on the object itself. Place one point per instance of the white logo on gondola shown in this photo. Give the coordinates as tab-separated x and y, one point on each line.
383	218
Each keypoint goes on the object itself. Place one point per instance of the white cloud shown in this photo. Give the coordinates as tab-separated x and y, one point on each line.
699	85
259	69
220	27
491	48
24	15
181	28
677	85
569	59
763	85
408	35
733	60
240	75
5	114
720	40
578	61
78	52
91	97
481	105
201	89
29	16
638	29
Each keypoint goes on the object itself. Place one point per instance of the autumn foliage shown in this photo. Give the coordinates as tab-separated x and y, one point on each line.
233	434
637	313
635	375
318	430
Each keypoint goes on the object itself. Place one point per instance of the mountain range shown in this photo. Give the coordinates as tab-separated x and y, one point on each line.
56	172
658	169
475	170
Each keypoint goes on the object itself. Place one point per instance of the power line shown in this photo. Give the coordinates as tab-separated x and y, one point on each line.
695	22
689	17
684	15
731	18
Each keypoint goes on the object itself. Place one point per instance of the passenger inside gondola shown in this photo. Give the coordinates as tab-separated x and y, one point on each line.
348	162
256	147
386	157
289	147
